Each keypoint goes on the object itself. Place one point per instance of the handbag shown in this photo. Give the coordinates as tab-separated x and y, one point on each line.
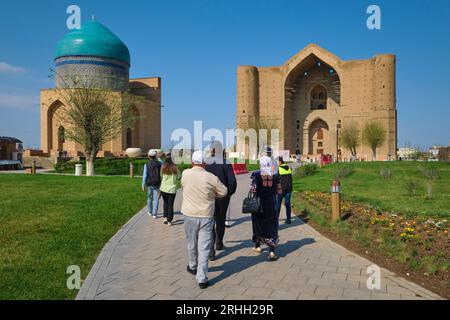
251	204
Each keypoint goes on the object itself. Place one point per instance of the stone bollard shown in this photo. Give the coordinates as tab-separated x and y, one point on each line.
336	201
131	169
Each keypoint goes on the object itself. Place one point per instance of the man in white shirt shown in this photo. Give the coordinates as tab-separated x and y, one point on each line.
200	190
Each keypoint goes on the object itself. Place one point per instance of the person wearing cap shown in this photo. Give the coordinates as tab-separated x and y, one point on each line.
151	178
265	184
285	173
200	190
218	166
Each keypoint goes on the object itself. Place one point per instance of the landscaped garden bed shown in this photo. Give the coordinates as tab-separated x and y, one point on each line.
414	243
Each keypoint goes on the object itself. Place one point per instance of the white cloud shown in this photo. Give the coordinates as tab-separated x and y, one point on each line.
7	68
24	102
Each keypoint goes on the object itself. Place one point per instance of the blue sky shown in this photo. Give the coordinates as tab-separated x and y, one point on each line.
195	46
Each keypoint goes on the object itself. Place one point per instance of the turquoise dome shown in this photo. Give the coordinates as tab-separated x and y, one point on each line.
93	39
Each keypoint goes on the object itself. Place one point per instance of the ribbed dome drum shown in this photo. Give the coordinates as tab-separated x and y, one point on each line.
94	56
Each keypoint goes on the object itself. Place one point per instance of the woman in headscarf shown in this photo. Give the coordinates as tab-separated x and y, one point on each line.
265	183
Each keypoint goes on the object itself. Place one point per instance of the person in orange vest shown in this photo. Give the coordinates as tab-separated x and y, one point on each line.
285	174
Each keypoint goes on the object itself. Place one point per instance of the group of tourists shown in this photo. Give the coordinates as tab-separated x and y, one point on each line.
207	189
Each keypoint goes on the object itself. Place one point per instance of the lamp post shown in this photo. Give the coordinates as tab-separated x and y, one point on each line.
335	201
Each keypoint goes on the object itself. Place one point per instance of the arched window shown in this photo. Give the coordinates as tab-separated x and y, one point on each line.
129	138
319	98
61	138
320	134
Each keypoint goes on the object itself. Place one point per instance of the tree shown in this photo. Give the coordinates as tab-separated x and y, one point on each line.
93	116
373	136
350	137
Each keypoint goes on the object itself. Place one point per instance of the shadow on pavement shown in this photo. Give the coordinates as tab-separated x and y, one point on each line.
241	263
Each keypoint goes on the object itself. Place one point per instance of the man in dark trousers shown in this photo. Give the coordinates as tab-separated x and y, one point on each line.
285	173
151	178
218	166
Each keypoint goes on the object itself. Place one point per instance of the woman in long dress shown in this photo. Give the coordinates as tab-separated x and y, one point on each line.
265	183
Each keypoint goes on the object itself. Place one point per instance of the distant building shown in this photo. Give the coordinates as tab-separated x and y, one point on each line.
314	95
406	153
440	152
95	53
10	153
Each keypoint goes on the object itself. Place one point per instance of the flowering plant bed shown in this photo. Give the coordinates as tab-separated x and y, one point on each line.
416	247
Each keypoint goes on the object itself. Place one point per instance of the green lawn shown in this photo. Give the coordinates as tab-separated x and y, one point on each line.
48	223
366	186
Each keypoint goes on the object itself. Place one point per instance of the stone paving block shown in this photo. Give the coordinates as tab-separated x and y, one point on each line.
165	289
258	292
320	282
306	296
346	284
311	274
348	270
284	295
385	296
354	277
208	295
273	276
187	293
112	295
307	289
357	294
253	282
237	297
399	290
329	291
233	289
163	297
139	295
326	268
334	276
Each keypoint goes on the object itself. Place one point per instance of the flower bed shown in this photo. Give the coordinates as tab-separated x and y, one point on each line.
420	245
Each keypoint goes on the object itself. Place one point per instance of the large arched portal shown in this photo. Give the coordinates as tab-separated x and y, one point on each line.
318	138
54	118
312	90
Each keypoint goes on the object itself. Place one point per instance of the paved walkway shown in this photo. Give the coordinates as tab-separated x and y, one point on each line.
147	260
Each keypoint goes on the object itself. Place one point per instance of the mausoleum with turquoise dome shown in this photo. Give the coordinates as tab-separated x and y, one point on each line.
95	56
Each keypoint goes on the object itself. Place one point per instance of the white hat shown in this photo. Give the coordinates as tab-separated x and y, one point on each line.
152	153
197	157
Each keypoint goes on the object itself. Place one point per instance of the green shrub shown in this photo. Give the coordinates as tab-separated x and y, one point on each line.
430	173
307	170
344	172
411	187
386	173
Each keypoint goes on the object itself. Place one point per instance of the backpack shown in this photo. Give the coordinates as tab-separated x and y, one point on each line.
154	173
